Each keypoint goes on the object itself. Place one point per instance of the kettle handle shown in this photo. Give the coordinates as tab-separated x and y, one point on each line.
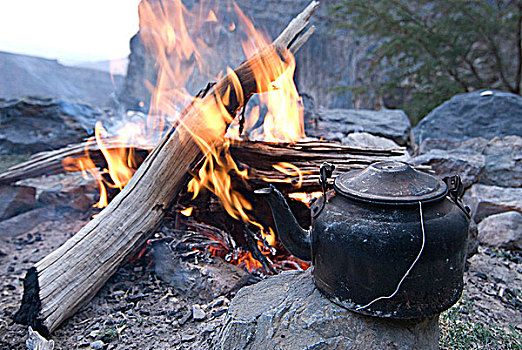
455	193
325	172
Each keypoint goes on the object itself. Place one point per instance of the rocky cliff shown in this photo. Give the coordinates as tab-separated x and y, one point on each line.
330	58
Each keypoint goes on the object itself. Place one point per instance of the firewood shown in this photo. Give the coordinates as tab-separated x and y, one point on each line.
66	279
258	157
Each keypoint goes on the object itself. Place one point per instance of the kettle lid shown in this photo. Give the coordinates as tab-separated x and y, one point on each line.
390	182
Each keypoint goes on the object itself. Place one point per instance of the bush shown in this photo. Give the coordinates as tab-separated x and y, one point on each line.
427	50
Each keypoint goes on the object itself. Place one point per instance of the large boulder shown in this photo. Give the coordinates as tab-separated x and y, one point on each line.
489	200
32	125
336	124
502	230
476	114
288	312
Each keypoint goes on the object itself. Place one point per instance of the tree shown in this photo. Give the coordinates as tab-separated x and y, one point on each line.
429	50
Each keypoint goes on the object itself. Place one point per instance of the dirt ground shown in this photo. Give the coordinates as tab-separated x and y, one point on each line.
137	310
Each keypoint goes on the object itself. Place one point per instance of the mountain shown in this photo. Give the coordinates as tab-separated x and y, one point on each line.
23	75
118	67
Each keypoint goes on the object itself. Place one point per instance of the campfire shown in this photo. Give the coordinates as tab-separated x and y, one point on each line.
195	161
179	39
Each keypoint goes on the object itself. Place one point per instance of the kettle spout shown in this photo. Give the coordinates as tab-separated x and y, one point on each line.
294	238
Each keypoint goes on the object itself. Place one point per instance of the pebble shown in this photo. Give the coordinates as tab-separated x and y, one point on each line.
185	317
134	298
188	337
118	292
197	313
98	344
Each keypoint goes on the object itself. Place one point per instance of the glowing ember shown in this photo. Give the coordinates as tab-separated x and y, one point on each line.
187	211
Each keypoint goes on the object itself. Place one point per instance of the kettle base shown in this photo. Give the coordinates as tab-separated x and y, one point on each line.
390	308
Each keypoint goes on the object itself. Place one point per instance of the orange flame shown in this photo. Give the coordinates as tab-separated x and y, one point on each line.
121	161
288	169
182	42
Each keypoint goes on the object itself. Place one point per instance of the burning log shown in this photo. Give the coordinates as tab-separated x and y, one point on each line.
258	157
62	282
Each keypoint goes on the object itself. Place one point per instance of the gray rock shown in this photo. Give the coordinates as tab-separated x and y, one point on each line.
466	163
336	124
503	162
15	200
65	190
98	344
366	140
197	313
20	224
489	200
476	144
32	125
503	157
474	114
288	312
502	230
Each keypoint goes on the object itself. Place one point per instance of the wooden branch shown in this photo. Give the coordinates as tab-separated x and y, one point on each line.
36	342
62	282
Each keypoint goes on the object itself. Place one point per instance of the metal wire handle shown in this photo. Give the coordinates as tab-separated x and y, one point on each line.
325	172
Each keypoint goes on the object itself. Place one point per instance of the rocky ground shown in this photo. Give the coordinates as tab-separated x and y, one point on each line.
137	310
174	299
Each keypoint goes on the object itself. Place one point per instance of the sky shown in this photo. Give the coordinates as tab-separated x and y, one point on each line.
72	31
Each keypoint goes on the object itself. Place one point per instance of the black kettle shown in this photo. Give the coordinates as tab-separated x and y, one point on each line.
387	241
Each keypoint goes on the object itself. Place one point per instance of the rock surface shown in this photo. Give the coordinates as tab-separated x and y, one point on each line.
503	157
481	113
489	200
15	200
288	312
476	144
336	124
502	230
468	164
32	125
503	162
